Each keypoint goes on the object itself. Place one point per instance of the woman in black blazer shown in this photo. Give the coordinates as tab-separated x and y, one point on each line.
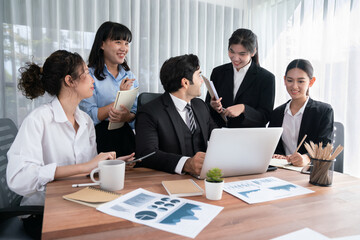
245	89
301	115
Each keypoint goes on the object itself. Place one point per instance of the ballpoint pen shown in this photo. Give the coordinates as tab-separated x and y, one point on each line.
85	184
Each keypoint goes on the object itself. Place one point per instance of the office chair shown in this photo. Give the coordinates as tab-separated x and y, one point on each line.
11	227
338	138
146	97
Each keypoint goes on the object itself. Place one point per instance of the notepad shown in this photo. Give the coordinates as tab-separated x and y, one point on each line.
182	188
283	163
91	196
125	98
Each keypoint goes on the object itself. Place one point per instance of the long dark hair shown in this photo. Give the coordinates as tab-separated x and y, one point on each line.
248	39
35	81
108	30
304	65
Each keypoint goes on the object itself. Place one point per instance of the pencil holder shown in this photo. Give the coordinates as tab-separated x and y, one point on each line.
322	172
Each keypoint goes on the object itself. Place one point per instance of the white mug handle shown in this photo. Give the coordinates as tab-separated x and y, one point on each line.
92	175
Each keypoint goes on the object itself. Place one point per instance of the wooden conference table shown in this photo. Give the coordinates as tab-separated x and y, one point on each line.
332	211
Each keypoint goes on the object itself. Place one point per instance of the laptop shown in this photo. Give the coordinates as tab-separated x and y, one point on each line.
240	151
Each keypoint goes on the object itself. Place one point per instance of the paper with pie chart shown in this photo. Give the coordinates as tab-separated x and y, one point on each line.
264	189
176	215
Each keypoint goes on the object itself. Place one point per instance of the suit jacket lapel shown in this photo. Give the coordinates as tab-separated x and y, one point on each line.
248	80
201	122
174	117
305	121
280	120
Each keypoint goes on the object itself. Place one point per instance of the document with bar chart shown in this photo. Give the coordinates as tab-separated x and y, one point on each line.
176	215
264	189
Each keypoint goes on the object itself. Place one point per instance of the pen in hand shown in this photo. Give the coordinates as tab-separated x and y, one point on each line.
126	84
298	147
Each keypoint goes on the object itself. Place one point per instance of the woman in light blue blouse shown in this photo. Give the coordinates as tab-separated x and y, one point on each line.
108	67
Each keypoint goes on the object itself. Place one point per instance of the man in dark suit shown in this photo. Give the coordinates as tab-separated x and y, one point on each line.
178	133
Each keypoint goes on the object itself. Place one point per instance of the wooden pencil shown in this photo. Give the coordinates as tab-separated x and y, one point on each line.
297	149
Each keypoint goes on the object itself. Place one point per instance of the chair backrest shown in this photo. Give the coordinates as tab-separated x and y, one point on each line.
338	138
146	97
8	132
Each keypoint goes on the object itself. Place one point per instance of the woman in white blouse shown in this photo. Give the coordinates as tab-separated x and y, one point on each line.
57	139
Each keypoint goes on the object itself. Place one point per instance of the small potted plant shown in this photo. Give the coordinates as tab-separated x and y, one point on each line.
214	184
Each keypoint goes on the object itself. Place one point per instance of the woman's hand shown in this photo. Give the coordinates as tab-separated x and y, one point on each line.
128	158
216	104
93	163
103	112
74	169
278	156
298	160
122	115
126	84
234	111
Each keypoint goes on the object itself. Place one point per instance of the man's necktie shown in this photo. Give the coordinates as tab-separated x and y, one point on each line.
190	113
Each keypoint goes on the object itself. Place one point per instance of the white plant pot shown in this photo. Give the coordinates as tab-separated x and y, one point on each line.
214	190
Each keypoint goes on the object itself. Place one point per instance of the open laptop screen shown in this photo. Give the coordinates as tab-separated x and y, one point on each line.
240	151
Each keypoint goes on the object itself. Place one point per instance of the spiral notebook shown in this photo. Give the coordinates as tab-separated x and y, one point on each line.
91	196
126	98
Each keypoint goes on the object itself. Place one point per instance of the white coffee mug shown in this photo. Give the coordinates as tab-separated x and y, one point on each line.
111	174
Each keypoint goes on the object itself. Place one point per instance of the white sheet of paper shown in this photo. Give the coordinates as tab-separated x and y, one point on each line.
176	215
354	237
264	189
305	233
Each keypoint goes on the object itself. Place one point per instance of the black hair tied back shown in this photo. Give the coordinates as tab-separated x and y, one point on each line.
30	82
